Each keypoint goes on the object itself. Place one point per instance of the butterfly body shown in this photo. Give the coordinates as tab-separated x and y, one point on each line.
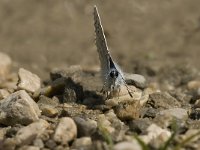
113	79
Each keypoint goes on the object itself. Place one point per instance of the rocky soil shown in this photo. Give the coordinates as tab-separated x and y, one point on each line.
68	111
48	102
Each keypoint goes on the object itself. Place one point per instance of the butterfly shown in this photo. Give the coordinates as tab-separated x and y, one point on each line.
112	75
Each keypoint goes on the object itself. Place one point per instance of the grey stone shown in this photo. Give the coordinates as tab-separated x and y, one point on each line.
140	126
75	72
178	113
66	131
38	143
136	80
162	101
149	112
27	134
20	108
50	144
28	81
86	127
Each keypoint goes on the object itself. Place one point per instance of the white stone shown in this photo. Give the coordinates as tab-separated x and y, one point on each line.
195	84
28	81
83	141
105	123
154	132
27	134
128	145
66	130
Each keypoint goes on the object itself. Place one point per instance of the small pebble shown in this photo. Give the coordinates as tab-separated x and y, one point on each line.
28	81
66	131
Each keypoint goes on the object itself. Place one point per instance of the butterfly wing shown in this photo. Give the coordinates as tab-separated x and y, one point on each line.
106	60
101	43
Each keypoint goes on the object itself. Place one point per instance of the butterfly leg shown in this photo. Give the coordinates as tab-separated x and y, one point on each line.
118	91
105	93
129	91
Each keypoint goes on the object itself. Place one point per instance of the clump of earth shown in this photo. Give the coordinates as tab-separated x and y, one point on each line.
67	111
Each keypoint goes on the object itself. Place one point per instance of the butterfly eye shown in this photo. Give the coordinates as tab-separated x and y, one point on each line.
114	73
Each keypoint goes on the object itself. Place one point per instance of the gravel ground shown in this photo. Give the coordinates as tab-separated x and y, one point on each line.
50	80
69	112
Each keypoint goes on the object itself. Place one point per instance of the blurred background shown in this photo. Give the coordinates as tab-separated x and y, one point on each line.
42	34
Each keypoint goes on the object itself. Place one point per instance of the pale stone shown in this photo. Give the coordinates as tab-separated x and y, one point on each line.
128	145
155	132
27	134
80	142
66	130
195	84
28	81
178	113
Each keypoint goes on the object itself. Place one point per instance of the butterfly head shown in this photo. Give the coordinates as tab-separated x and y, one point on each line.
114	74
